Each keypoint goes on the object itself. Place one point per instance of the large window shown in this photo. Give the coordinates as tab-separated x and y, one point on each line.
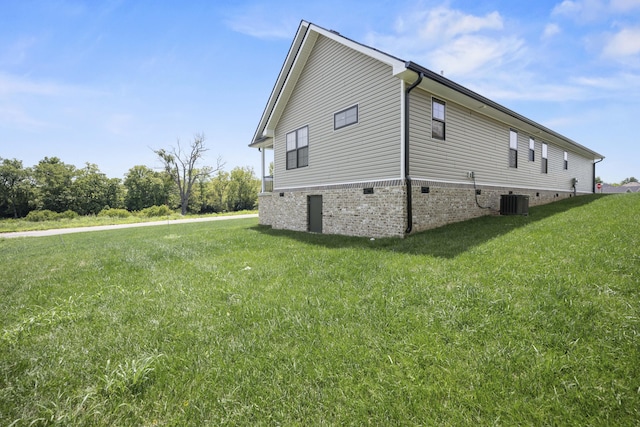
513	149
298	148
544	158
345	117
532	150
566	160
438	109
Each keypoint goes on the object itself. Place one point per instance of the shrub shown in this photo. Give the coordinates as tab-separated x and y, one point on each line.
162	210
115	213
43	215
69	214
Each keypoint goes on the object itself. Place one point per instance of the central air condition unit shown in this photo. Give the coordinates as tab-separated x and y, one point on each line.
514	204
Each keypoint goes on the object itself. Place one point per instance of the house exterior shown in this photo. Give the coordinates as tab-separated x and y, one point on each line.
631	187
367	144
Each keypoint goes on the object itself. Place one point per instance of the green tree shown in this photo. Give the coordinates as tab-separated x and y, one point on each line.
243	189
145	188
53	181
92	191
628	180
181	166
217	191
16	188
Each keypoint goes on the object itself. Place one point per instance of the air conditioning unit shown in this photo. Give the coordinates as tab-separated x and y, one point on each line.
514	204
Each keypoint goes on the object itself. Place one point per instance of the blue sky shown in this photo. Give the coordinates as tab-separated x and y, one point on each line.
106	82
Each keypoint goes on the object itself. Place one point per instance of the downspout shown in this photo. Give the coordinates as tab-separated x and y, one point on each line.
594	175
407	176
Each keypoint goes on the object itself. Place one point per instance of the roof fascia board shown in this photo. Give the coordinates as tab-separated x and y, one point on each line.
289	82
259	134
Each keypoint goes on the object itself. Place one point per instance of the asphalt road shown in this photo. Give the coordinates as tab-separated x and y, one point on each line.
40	233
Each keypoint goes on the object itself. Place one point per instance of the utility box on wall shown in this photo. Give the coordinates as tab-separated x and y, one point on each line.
514	204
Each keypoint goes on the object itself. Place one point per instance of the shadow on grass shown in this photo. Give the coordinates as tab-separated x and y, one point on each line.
444	242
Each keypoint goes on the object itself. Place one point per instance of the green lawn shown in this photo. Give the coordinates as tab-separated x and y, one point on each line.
9	225
495	321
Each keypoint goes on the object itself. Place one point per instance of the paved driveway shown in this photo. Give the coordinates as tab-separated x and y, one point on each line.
57	231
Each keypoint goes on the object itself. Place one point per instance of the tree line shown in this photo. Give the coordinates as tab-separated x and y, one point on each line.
59	187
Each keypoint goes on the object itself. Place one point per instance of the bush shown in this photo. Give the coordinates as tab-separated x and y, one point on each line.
43	215
162	210
115	213
69	214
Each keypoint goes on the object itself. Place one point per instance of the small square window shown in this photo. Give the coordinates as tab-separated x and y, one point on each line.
345	117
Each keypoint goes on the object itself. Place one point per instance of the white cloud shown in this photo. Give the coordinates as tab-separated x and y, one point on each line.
593	10
13	84
623	44
19	85
625	5
468	54
16	117
451	40
263	23
619	83
550	30
443	23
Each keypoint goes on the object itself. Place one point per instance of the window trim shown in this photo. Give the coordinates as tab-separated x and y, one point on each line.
356	107
513	149
532	149
442	121
297	150
566	160
545	158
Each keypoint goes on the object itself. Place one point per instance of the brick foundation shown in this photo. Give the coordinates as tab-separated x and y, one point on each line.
348	210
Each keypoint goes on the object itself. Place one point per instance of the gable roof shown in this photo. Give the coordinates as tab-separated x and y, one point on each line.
408	71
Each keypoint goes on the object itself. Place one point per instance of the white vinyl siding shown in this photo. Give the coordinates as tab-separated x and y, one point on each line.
333	78
478	143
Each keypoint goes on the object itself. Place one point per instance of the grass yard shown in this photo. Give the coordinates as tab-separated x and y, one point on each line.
9	225
495	321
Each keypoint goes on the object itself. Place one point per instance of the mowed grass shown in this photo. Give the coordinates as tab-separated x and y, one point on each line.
10	225
496	321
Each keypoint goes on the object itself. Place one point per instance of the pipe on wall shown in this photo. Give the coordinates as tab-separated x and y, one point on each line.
407	175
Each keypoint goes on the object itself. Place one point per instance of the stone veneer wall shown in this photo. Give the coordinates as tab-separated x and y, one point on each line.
347	210
449	203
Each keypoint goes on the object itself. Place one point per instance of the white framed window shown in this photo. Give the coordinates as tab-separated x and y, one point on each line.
513	148
566	160
545	168
298	148
345	117
438	117
532	150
